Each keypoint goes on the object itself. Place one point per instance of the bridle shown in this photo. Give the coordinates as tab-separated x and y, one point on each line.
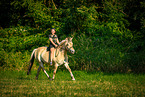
66	47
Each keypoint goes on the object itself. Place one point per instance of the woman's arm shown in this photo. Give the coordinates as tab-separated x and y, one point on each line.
58	41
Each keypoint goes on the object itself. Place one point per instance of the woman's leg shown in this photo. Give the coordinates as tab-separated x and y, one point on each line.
51	55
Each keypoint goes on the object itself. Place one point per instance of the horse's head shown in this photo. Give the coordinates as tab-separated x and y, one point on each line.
68	45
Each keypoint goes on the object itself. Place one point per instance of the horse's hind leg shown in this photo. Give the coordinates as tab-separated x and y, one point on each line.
39	69
41	64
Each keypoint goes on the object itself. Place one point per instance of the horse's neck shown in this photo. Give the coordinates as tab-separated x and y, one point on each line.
60	52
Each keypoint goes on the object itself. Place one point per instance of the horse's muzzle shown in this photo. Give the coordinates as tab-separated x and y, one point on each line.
72	51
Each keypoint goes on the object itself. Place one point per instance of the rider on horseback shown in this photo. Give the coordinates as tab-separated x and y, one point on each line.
54	42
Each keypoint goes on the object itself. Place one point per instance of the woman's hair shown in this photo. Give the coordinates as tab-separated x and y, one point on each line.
52	28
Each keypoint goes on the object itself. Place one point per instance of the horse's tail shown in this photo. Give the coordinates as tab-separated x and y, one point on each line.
31	61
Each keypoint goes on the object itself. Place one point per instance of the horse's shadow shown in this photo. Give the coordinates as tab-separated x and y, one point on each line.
24	78
28	77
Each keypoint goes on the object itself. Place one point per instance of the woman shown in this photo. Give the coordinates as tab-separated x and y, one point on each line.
53	44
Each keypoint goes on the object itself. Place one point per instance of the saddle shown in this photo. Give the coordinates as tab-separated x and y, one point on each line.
56	53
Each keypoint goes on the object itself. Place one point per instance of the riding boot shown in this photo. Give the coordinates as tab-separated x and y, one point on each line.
50	63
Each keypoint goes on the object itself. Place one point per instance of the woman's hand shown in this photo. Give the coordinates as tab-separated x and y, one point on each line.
56	45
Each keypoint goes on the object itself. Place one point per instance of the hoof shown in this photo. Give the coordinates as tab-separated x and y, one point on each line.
50	79
27	73
36	78
73	79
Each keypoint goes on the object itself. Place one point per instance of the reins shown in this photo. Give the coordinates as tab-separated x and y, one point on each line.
56	52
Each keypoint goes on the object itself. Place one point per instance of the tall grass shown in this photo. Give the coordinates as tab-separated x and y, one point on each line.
98	54
15	61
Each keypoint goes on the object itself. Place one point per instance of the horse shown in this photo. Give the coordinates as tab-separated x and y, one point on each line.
42	55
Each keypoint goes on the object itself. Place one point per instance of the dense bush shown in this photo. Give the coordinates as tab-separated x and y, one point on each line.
108	35
102	52
101	55
21	39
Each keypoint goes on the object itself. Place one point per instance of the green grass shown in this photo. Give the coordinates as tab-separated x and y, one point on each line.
14	83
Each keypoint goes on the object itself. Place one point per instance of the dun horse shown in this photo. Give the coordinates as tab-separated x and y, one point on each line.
41	54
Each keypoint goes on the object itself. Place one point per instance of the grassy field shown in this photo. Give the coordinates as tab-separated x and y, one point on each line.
14	83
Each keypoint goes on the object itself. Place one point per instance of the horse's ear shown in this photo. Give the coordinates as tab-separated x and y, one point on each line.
66	41
70	39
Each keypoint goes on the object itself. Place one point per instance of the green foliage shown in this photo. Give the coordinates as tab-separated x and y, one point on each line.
20	31
98	54
108	35
14	61
21	39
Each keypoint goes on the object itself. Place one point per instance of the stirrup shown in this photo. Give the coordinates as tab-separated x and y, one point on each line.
50	63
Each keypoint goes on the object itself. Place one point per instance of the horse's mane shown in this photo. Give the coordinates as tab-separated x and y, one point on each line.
62	42
68	39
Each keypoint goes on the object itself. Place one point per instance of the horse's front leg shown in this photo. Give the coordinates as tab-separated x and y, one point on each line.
67	66
55	69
